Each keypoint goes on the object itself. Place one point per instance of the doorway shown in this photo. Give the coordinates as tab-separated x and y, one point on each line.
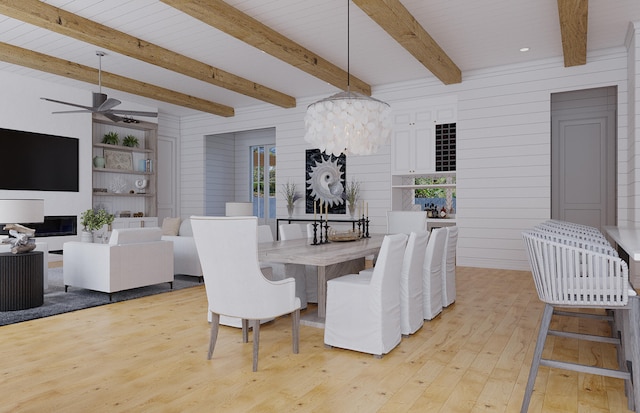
583	156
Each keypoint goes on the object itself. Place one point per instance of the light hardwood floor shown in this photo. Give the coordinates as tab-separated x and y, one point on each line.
149	355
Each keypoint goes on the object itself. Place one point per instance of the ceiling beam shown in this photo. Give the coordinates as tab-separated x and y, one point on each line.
232	21
574	15
396	20
43	15
45	63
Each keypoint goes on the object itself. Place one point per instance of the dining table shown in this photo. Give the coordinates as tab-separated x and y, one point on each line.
333	259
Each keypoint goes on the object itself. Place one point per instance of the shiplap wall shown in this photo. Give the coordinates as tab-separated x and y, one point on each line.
503	176
631	171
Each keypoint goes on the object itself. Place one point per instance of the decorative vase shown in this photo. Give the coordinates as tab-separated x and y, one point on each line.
86	236
352	210
98	161
290	210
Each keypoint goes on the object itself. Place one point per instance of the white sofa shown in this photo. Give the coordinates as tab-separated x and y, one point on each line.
134	257
185	255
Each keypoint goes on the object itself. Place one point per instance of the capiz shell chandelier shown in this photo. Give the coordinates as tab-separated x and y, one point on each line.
348	122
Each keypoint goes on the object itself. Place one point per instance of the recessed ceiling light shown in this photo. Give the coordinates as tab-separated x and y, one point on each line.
524	49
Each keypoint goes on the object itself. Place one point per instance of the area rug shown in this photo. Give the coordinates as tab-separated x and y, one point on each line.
56	301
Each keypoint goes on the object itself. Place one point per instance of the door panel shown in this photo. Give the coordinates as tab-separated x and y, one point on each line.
584	164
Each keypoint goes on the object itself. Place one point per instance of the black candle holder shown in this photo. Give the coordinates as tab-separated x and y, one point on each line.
315	233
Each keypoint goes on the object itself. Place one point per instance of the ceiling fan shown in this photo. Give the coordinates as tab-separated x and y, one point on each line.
103	105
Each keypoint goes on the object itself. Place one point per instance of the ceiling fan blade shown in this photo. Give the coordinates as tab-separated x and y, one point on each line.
74	111
67	103
134	113
108	104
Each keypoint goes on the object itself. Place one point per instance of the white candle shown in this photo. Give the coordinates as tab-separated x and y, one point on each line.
314	209
367	204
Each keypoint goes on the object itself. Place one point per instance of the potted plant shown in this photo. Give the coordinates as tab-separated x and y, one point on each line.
92	220
290	196
130	141
111	138
352	195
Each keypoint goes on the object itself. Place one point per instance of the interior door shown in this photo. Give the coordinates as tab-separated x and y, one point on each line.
584	160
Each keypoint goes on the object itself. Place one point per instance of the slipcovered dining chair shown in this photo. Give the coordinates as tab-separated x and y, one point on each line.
297	271
449	267
411	312
363	311
405	222
235	287
432	274
574	277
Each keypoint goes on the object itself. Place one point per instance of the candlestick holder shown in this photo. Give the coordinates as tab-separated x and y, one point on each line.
315	233
367	228
360	228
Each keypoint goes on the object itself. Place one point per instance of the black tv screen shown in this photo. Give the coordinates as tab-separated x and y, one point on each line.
38	162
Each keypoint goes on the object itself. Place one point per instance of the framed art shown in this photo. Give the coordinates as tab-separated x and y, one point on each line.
118	160
325	180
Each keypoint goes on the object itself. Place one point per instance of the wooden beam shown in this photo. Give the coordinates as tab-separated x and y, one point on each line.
38	61
574	15
43	15
232	21
396	20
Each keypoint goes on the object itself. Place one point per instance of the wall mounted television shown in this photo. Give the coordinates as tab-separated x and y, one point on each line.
38	162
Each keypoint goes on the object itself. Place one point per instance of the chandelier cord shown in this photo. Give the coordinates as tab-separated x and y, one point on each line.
348	47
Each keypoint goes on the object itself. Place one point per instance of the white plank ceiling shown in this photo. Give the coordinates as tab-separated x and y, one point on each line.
475	34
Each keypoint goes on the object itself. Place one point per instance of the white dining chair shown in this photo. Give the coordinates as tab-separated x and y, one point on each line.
411	311
405	222
297	271
363	312
235	287
432	274
449	267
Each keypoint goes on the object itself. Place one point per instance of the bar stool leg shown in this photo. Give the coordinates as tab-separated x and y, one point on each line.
537	355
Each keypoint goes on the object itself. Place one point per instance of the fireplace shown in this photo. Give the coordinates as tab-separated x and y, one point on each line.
53	226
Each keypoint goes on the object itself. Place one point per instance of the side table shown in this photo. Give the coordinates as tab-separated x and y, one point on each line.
21	280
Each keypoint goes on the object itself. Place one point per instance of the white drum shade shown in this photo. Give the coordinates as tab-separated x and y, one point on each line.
21	211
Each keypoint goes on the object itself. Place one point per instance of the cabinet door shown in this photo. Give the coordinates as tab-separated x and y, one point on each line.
424	148
403	162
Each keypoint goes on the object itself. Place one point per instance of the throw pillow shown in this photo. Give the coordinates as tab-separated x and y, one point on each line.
170	226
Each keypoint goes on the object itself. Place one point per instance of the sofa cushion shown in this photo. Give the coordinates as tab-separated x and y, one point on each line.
170	226
185	228
134	235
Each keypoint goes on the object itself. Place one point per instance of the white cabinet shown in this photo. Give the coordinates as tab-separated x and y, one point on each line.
413	146
119	223
117	183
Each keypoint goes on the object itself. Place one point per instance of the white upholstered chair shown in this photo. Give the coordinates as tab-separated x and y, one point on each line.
363	312
297	271
405	222
432	274
449	267
134	257
577	278
235	286
411	311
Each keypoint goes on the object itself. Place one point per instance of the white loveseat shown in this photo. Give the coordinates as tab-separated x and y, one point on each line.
134	257
185	255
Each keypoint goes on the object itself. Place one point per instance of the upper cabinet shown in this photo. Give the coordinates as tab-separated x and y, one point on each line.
418	146
124	177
